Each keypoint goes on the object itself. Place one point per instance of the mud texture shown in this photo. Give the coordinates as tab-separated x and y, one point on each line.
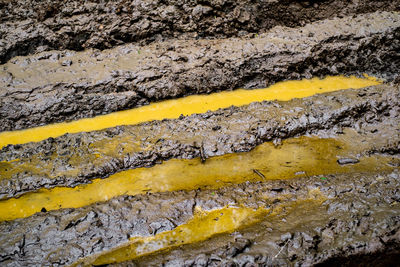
58	86
360	216
77	158
359	225
28	27
64	60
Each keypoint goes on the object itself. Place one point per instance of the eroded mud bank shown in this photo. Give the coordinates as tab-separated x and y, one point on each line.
78	158
33	26
58	86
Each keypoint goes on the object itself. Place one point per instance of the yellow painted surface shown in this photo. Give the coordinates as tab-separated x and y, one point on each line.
201	227
189	105
296	157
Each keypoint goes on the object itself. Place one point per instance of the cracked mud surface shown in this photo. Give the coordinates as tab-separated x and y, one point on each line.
125	54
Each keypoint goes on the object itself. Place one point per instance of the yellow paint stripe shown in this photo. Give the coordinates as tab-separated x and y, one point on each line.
171	109
296	157
203	225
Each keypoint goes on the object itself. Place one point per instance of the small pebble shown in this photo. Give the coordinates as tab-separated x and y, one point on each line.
345	161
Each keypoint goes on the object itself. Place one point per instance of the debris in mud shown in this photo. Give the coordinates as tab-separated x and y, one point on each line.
345	161
259	173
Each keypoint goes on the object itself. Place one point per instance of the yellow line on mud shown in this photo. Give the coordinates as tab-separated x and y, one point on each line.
171	109
295	158
203	225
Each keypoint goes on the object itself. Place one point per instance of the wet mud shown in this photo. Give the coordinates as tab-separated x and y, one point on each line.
78	158
34	26
358	215
347	214
352	228
307	181
58	86
189	105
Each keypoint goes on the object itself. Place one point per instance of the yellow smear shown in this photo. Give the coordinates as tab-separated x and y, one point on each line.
10	161
203	226
171	109
297	157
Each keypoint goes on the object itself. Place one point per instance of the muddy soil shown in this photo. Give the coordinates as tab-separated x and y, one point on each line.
77	158
59	86
124	54
33	26
360	216
353	228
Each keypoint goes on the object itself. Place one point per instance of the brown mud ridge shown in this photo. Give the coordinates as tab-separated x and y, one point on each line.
59	86
33	26
168	49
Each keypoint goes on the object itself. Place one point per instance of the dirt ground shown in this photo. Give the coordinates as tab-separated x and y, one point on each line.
63	61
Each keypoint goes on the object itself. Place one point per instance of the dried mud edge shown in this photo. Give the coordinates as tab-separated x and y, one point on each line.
366	43
33	26
360	217
230	130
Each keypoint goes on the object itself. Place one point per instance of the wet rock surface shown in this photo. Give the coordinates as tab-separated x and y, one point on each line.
77	158
58	86
33	26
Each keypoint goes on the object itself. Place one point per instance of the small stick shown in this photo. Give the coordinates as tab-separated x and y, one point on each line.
202	154
281	249
259	173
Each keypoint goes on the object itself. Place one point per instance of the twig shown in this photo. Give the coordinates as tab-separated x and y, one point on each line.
281	249
259	173
202	154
